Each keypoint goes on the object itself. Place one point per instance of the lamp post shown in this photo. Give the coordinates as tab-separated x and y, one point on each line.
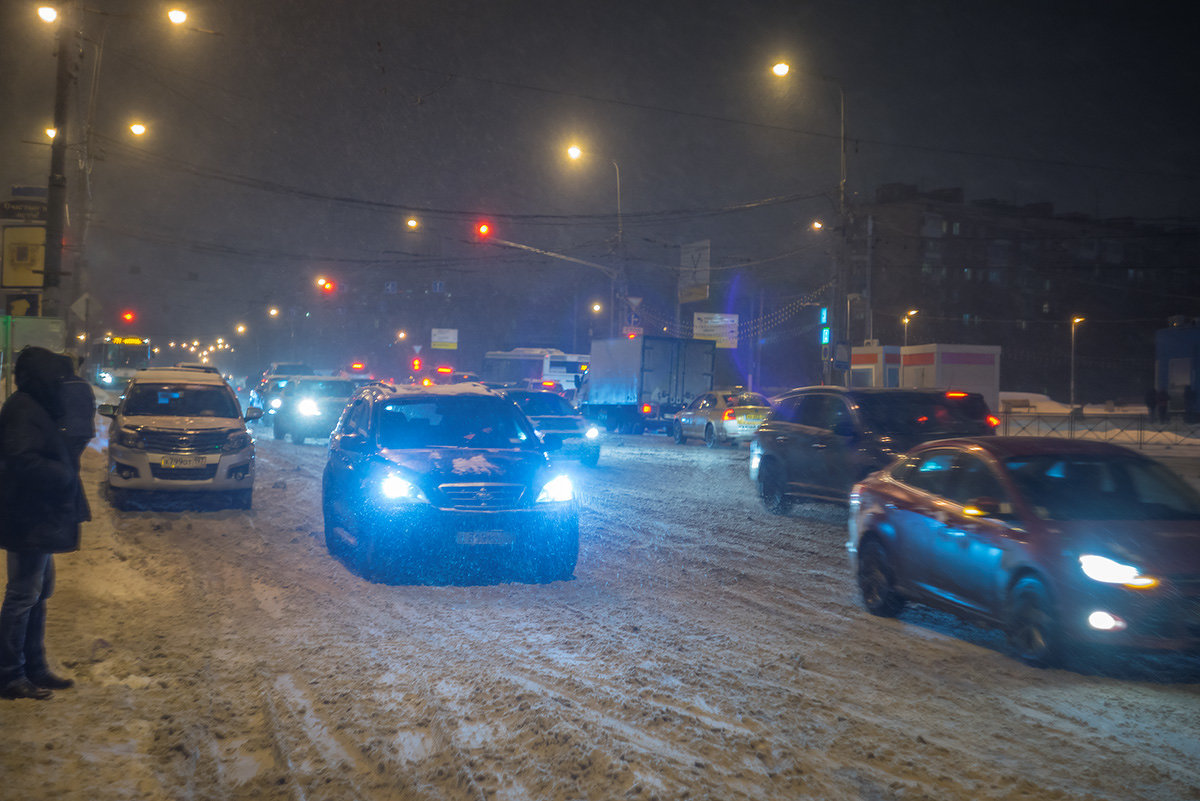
1075	321
841	280
911	314
574	152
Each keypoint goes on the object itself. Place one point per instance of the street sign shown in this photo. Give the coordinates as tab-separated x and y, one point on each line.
444	339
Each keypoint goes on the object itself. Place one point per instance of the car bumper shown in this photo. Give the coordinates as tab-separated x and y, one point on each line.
430	532
145	470
1161	619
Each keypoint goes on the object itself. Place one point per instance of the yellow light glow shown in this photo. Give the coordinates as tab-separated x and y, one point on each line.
47	13
137	128
51	132
817	225
412	223
274	312
177	16
781	69
574	152
241	329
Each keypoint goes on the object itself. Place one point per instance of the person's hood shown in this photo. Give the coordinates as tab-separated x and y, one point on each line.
39	373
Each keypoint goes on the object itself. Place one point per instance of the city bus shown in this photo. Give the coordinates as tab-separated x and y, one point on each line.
111	361
535	368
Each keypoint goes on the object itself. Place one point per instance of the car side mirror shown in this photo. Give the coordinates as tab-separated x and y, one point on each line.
253	413
107	410
356	442
844	428
983	507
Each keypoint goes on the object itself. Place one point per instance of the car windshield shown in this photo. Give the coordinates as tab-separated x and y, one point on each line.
461	421
181	400
746	399
325	389
910	412
543	404
1075	487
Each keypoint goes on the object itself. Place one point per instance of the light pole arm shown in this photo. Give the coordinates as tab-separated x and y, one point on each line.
608	271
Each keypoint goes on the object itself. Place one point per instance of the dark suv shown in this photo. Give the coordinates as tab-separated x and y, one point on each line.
427	481
818	441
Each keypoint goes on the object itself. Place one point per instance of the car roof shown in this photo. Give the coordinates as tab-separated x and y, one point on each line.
178	375
418	390
1007	447
873	390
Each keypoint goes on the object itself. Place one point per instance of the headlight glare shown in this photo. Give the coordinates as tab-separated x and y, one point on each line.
276	403
398	488
1110	571
308	407
592	432
557	489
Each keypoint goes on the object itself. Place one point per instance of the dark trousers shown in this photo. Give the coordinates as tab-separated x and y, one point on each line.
23	615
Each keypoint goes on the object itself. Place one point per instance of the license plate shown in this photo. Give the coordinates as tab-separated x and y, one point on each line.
184	461
753	418
483	538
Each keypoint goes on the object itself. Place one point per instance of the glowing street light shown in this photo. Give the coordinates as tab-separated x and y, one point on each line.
137	129
781	69
177	16
911	314
273	312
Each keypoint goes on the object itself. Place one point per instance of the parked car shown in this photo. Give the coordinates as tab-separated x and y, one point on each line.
1060	542
818	441
562	428
423	480
179	430
310	407
723	415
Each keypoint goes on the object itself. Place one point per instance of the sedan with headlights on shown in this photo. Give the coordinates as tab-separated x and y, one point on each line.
309	407
1065	544
562	428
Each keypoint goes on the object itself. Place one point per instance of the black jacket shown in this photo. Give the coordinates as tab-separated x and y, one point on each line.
41	497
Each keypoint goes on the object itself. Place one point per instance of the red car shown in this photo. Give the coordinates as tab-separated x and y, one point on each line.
1062	543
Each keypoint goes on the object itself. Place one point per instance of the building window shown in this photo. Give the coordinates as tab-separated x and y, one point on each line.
955	229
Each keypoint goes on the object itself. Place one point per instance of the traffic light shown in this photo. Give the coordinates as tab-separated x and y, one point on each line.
483	230
327	286
825	325
128	316
416	364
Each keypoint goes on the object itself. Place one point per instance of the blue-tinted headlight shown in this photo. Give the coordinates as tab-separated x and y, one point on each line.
557	490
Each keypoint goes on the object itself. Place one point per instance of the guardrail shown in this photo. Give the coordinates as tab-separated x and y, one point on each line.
1123	429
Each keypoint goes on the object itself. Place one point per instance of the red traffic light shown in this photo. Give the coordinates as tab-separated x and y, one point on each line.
416	364
483	230
329	287
128	316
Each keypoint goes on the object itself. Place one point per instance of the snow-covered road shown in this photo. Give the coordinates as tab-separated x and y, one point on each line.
705	649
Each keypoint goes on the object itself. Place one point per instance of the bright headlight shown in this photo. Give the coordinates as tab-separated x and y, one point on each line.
130	439
592	433
396	488
1109	571
276	403
308	407
557	489
105	377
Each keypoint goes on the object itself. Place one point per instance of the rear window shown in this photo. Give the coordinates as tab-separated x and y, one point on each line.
921	412
325	389
544	404
747	399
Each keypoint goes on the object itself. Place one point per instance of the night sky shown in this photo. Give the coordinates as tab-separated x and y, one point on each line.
290	139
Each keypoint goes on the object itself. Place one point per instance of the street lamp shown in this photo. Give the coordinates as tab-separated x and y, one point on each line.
575	153
1075	321
911	314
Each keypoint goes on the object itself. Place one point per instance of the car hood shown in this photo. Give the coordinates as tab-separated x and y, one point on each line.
558	424
172	423
436	466
1164	547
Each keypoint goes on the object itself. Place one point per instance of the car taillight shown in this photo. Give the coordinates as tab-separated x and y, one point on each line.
730	414
956	394
647	410
993	421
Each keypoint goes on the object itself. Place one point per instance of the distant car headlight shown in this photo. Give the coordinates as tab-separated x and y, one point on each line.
130	438
557	490
398	488
592	433
105	377
308	407
236	441
276	403
1110	571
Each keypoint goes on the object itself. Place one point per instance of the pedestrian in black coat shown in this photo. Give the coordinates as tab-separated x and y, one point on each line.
41	507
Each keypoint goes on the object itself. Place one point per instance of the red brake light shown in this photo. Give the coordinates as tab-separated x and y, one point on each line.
631	335
357	366
548	383
993	421
730	414
923	419
956	394
647	409
445	370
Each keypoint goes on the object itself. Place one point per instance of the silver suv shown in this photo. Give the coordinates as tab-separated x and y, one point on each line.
179	430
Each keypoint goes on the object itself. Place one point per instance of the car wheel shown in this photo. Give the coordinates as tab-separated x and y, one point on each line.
299	439
556	560
710	436
335	541
590	457
277	429
773	489
243	499
679	437
119	498
876	581
1033	633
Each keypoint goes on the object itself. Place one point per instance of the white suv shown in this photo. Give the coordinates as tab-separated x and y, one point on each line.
179	430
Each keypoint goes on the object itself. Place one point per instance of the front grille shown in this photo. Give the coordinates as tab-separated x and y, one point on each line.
482	496
184	473
184	441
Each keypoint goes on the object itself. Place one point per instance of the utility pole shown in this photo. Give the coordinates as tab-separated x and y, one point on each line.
56	196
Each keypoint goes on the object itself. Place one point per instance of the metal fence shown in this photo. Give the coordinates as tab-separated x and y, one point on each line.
1123	429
